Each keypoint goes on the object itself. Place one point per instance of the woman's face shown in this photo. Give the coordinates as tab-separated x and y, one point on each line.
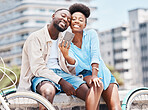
78	22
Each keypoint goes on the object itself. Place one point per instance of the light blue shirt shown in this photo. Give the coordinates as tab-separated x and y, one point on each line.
90	53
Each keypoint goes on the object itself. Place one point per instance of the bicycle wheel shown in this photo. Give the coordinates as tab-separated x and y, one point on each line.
138	100
28	101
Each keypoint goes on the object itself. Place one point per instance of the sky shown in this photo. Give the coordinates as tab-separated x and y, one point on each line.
113	13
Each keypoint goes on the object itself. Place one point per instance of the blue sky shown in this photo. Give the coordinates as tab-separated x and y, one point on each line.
113	13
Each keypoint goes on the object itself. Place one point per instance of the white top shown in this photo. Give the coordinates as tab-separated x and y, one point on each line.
53	62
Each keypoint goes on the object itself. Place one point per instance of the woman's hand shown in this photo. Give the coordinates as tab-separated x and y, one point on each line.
95	80
64	49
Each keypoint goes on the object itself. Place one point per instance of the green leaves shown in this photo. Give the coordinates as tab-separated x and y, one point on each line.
116	74
5	82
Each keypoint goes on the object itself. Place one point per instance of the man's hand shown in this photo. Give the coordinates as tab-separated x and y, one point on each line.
67	87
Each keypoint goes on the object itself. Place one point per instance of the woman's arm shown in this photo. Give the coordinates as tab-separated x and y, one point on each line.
95	57
95	69
94	47
94	79
65	52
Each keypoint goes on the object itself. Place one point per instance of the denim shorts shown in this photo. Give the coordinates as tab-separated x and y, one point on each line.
85	73
74	80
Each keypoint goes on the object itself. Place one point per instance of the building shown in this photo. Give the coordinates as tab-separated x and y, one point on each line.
19	18
138	22
126	48
106	47
144	51
115	51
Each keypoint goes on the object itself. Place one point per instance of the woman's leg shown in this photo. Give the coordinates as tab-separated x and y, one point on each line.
93	95
90	96
93	98
111	97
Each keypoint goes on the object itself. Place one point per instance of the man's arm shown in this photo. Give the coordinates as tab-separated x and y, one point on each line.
67	87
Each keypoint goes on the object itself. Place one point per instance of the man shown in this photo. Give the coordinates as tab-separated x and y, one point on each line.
44	67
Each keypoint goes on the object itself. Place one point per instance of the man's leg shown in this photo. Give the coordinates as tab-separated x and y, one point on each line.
46	89
82	91
111	97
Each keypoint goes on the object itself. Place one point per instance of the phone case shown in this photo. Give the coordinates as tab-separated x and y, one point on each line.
68	37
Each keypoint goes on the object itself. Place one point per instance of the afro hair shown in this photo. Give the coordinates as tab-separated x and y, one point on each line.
78	7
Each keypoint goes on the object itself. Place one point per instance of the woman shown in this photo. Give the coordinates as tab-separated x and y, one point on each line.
85	48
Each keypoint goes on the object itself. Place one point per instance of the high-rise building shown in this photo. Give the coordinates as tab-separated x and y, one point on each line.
106	47
19	18
115	51
126	48
138	23
121	49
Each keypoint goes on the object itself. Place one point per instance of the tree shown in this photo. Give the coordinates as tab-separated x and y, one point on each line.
116	74
4	80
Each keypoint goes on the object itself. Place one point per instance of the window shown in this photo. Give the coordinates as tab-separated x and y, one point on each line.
144	48
25	34
40	22
22	23
109	63
133	24
42	10
143	25
119	39
124	28
108	53
51	10
121	61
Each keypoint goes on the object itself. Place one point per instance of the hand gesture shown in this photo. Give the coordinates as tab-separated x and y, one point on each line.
64	49
95	80
67	87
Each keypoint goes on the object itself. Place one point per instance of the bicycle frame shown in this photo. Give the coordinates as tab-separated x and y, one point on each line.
2	69
4	103
124	103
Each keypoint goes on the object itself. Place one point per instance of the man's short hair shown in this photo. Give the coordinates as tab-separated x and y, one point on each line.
78	7
61	9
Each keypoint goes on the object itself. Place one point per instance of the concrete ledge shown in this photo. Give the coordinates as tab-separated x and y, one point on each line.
64	101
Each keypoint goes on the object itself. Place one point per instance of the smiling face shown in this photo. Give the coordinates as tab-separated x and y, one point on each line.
61	20
78	22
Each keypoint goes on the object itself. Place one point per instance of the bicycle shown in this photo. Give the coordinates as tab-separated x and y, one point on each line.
136	99
12	100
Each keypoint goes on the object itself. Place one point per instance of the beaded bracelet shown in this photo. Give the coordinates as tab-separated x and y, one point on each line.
95	68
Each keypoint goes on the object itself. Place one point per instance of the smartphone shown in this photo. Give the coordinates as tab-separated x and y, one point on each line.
68	37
